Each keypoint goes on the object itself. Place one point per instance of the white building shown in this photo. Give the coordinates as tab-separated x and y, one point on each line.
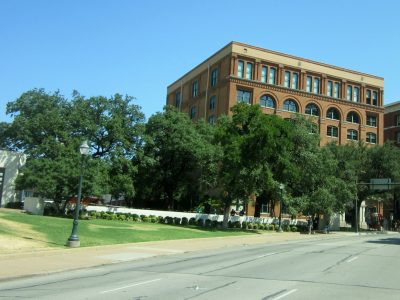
10	163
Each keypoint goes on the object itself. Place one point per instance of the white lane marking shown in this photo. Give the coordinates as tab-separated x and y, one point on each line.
265	255
286	294
128	286
352	259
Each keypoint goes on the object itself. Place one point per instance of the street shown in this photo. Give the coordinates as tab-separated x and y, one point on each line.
342	267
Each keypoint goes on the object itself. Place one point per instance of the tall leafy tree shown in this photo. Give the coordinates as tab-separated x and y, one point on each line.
175	157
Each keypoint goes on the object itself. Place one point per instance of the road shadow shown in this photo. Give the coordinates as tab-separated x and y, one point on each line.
388	241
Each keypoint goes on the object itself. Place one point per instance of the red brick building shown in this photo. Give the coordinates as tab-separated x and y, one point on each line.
392	122
346	105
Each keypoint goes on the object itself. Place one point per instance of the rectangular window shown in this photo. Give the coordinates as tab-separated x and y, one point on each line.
211	119
295	81
336	90
356	95
287	79
195	89
332	131
329	88
368	97
397	121
214	77
371	120
193	112
177	98
375	98
371	138
349	92
398	137
243	96
265	209
272	72
316	85
308	84
240	68
249	71
213	101
264	71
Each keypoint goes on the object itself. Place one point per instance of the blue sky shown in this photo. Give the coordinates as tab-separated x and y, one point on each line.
140	47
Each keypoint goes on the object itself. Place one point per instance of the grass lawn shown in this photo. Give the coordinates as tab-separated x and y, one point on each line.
55	231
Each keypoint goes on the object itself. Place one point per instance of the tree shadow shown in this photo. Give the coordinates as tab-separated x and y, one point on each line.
388	241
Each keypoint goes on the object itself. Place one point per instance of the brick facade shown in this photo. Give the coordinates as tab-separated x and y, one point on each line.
242	70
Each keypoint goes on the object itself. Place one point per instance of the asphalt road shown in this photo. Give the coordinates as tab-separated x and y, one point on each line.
348	267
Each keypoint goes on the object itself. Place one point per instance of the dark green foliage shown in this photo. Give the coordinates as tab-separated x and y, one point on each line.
15	205
177	221
185	221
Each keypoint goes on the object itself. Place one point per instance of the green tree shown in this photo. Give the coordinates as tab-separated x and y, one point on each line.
175	156
50	129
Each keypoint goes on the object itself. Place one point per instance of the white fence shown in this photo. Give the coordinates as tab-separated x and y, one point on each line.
173	214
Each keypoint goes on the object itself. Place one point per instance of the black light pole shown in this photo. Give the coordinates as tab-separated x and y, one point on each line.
73	240
281	186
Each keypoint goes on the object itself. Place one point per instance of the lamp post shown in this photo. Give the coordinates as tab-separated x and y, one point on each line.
73	240
281	187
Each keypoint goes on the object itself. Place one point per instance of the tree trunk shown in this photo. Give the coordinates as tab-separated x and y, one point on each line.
227	210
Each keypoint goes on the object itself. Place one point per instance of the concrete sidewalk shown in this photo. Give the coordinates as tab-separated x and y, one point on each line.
48	260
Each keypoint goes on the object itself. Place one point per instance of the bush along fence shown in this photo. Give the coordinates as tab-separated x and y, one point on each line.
183	218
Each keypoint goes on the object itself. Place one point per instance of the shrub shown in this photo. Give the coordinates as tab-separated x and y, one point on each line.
261	226
15	205
249	226
214	224
135	217
293	228
145	219
208	223
161	220
230	224
271	227
244	225
169	220
237	224
200	222
255	226
185	221
154	219
122	217
286	227
177	221
192	221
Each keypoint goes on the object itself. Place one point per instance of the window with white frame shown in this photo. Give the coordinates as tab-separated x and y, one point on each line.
240	68
371	120
371	138
352	135
332	131
243	96
267	101
249	71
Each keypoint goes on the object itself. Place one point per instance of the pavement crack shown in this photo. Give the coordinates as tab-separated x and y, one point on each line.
211	290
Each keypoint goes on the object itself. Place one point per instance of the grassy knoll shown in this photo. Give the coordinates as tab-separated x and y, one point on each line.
55	231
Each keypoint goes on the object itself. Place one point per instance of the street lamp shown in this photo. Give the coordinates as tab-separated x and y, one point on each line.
281	187
73	240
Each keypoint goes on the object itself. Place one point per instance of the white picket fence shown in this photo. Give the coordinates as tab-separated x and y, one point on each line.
197	216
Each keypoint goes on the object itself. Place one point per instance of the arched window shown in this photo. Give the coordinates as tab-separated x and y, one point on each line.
290	105
371	137
312	109
267	101
353	117
333	113
352	135
332	131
